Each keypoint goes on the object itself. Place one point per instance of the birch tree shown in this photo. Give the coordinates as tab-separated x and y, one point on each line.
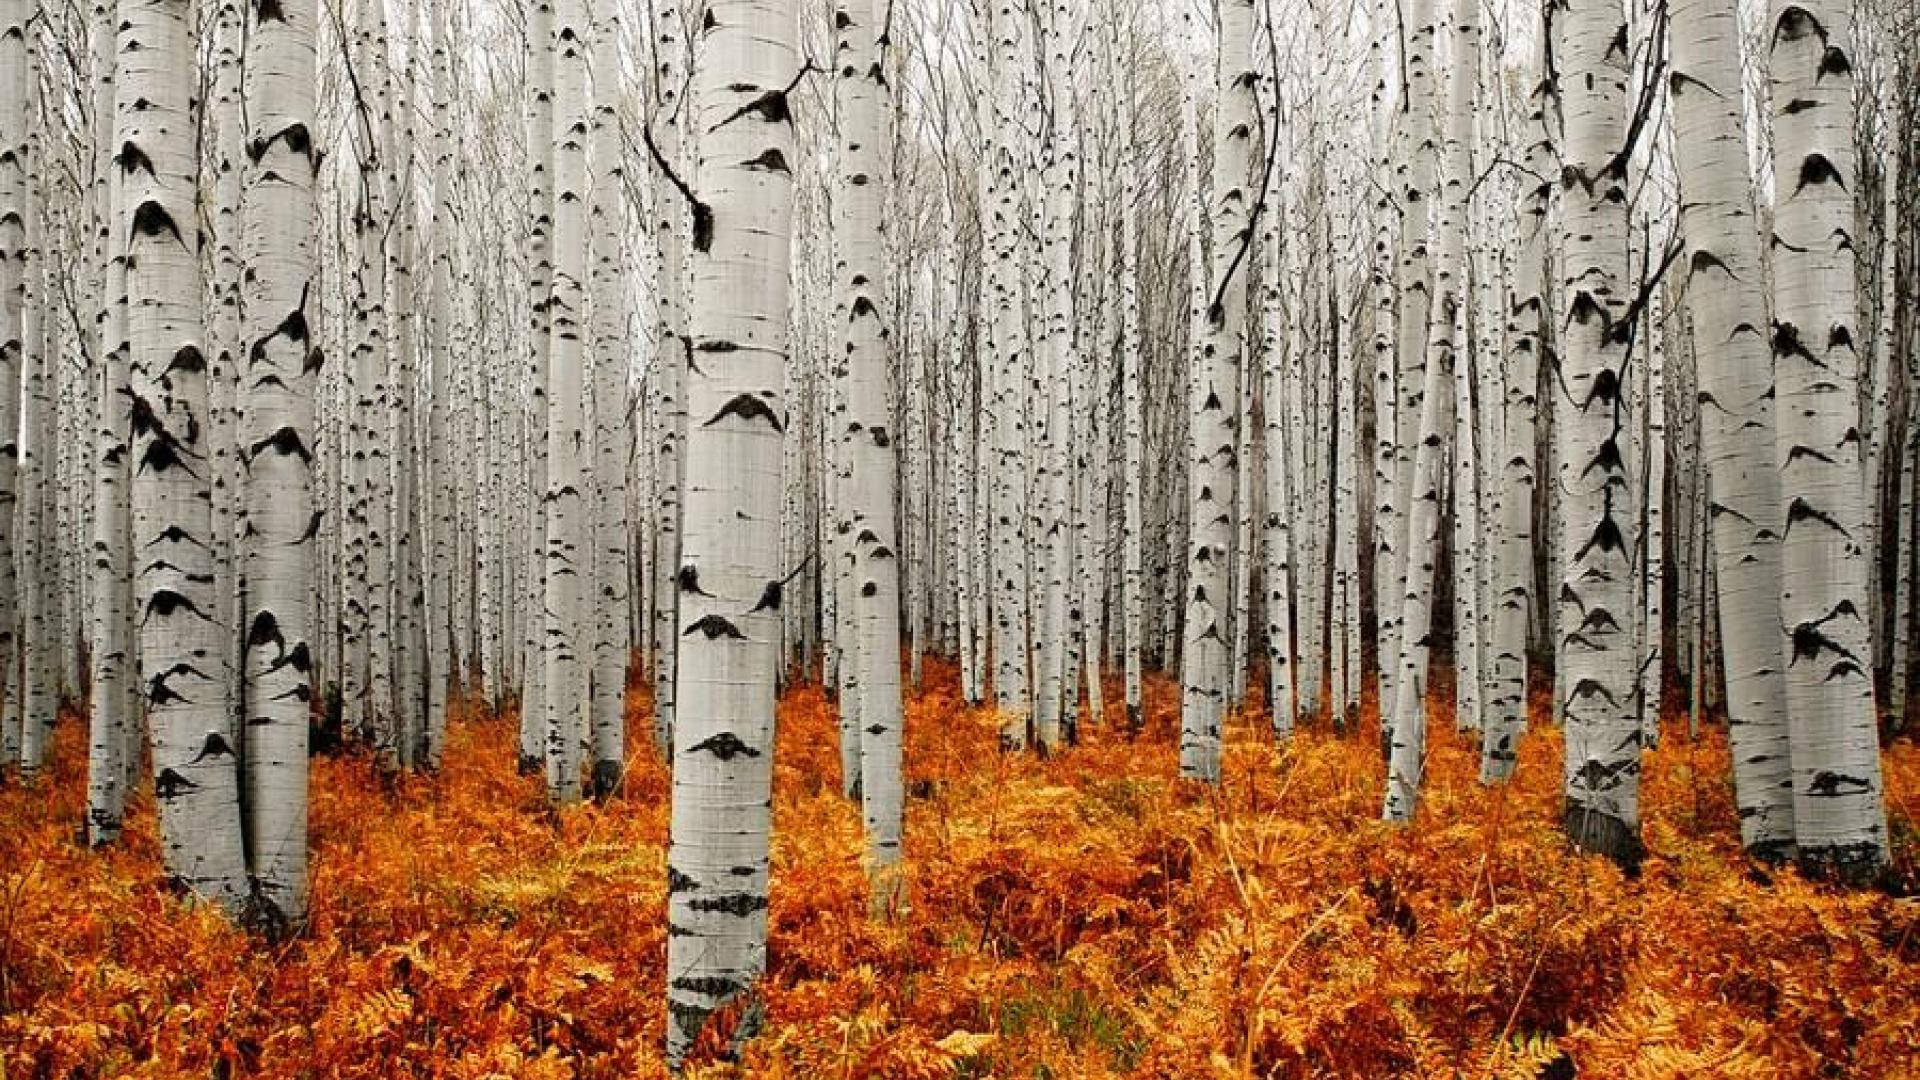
1736	394
606	217
742	191
1213	405
670	350
115	734
1526	350
535	631
1133	429
195	764
1598	600
861	90
15	94
567	553
1839	820
277	446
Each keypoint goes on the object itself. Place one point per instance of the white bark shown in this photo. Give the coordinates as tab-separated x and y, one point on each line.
567	554
670	370
874	617
1276	525
278	439
536	622
606	216
723	742
1213	405
15	95
181	644
1599	609
114	744
1526	311
1132	423
449	485
1055	364
1838	816
1008	349
1416	153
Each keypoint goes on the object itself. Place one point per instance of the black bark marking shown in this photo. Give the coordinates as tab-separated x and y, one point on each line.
688	580
748	407
715	627
284	442
769	598
769	160
293	328
152	219
264	631
726	746
167	603
294	134
1829	784
702	223
170	784
1786	342
739	905
713	986
1816	169
1809	642
132	158
1800	510
215	747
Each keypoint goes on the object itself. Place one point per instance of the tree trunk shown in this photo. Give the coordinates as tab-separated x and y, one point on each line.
874	619
1213	405
729	582
670	379
196	776
15	95
606	215
1599	609
1838	816
277	441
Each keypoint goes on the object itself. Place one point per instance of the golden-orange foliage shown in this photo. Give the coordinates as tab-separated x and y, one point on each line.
1085	916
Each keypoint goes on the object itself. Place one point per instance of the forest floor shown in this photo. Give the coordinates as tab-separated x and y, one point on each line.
1085	916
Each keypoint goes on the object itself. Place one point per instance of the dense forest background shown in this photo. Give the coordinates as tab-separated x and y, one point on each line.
1015	538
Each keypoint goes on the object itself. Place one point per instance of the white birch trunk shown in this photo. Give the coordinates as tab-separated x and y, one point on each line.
1838	816
278	440
670	370
114	747
15	95
1012	688
874	619
449	488
567	553
196	777
535	622
1416	153
606	216
1599	604
723	743
1525	350
1132	422
1276	526
1213	405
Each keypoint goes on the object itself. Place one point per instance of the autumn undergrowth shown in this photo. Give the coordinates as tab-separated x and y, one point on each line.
1088	915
